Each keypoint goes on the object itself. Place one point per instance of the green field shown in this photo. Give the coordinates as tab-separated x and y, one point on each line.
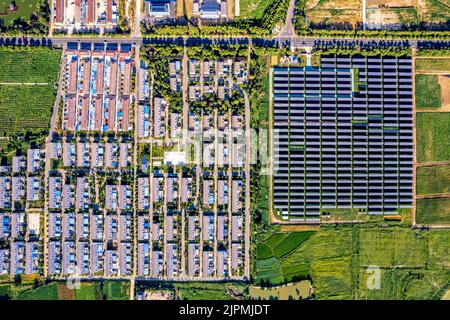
428	92
114	290
433	130
433	180
25	108
24	10
37	65
45	292
433	65
433	211
252	9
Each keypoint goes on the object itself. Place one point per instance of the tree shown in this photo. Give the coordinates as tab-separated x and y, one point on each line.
17	279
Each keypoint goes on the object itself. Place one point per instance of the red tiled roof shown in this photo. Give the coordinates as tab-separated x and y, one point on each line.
98	114
109	11
125	113
85	113
71	115
112	114
59	17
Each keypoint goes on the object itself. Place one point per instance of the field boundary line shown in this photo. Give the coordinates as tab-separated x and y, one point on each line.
433	164
433	196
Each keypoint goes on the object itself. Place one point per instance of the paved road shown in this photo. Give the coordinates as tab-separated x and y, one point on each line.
288	30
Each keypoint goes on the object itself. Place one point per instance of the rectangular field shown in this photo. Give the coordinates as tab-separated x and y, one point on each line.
25	107
334	11
39	65
433	180
391	18
433	211
432	65
428	92
433	130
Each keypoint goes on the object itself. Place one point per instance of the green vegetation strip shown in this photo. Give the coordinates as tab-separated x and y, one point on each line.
428	92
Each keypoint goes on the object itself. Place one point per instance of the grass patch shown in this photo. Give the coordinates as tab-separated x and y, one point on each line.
433	130
428	92
275	239
433	211
433	180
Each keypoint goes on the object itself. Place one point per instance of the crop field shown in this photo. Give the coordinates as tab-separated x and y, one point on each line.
45	292
433	180
433	211
37	65
428	92
24	10
404	284
333	11
27	88
385	248
25	108
114	290
296	291
433	130
414	263
252	8
432	65
87	291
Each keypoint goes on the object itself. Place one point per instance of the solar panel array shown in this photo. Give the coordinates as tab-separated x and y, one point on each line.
343	136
